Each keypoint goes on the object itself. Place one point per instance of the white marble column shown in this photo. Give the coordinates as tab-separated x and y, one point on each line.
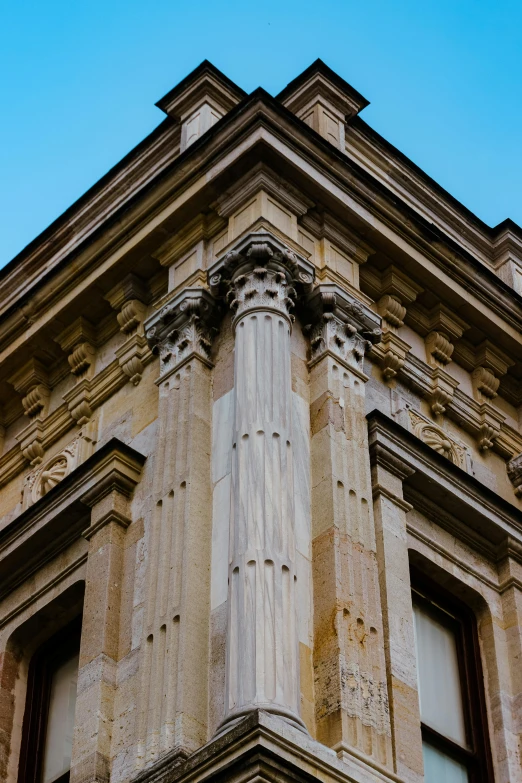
260	279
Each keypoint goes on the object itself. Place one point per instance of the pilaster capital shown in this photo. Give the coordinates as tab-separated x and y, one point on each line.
261	273
183	329
340	325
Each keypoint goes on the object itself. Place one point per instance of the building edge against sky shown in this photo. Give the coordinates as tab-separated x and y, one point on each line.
261	461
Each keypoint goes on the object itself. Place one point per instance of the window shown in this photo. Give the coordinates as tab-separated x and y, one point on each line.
451	696
47	737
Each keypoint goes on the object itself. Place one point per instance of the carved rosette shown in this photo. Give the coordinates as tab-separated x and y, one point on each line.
48	475
340	326
437	439
183	329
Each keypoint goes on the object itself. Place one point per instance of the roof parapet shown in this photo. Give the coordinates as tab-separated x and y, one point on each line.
199	101
323	100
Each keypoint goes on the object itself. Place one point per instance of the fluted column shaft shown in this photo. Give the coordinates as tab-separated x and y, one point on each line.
262	666
262	644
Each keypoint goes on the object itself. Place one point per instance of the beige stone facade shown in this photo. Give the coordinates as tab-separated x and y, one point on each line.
256	375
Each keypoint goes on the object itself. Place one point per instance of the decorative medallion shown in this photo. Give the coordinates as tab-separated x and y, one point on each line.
437	439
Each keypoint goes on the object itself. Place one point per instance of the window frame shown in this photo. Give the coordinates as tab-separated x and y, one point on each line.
442	604
44	662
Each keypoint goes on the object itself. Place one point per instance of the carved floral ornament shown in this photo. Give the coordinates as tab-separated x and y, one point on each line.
183	328
437	439
261	273
47	475
340	325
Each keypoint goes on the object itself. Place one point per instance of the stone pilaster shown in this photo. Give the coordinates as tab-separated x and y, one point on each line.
261	280
174	664
510	577
350	676
109	499
390	509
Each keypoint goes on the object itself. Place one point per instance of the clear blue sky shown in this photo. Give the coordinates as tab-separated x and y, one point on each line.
79	81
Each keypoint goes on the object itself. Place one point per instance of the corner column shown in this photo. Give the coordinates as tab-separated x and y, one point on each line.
352	713
260	280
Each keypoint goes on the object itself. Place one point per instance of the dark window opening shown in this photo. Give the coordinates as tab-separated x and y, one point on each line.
47	735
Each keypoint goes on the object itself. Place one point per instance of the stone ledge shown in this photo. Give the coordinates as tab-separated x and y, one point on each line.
60	516
480	509
264	747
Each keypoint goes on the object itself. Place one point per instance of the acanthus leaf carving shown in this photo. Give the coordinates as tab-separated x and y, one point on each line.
392	310
261	273
183	328
439	349
485	384
78	340
31	382
340	325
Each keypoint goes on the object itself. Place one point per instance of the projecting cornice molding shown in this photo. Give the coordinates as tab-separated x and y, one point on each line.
59	515
429	471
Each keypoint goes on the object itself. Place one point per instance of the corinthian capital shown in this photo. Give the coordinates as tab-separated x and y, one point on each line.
340	325
261	273
183	329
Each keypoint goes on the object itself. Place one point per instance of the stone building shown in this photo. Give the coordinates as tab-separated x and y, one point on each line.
261	465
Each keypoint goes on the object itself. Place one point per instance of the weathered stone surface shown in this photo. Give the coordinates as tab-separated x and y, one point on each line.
191	353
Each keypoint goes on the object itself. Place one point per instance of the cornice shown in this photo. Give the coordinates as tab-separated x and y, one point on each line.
471	415
47	431
445	483
259	102
405	178
261	107
59	516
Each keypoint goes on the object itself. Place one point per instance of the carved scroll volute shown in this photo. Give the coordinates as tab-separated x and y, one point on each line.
262	280
183	329
341	326
128	298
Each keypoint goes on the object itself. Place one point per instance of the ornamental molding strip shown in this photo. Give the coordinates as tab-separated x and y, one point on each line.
340	326
443	481
58	517
261	273
183	329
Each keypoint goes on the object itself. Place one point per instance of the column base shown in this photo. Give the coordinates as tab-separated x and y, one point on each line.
238	715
